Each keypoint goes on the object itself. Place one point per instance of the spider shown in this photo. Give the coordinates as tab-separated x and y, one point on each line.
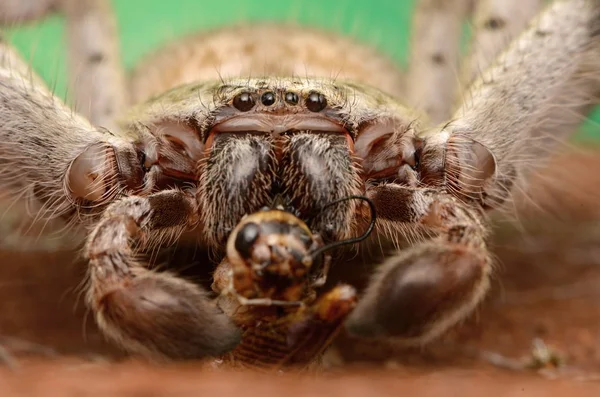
220	123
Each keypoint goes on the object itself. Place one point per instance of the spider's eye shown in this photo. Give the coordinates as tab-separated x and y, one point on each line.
144	161
243	102
417	161
315	102
247	235
268	98
291	98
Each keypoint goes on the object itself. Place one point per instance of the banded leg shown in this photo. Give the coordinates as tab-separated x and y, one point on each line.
96	76
434	56
155	314
495	24
51	159
531	99
20	11
417	294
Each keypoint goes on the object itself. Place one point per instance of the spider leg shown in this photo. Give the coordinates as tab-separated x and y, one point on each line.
531	99
495	24
155	314
19	11
97	78
418	294
52	160
434	56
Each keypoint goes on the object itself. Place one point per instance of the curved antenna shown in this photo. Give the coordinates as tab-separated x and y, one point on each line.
353	240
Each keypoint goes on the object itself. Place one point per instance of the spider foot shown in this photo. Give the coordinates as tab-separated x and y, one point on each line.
158	315
9	346
162	316
417	296
7	359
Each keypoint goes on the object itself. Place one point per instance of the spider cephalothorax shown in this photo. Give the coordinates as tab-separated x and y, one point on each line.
244	142
197	154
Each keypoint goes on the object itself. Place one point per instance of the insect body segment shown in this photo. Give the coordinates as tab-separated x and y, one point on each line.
268	285
295	339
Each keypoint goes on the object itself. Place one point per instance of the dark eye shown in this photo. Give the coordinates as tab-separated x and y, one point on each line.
243	102
305	238
316	102
417	155
268	98
247	235
142	159
291	98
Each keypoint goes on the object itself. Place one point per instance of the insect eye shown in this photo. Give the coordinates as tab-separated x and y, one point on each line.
247	235
305	238
243	102
291	98
315	102
268	98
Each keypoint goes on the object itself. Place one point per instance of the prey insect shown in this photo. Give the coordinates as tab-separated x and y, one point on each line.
196	152
274	259
268	284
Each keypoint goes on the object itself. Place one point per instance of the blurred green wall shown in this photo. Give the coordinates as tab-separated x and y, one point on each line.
144	24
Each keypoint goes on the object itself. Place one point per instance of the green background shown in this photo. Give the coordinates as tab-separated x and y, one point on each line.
145	24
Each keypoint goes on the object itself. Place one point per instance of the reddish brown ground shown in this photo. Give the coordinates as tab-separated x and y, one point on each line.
547	288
